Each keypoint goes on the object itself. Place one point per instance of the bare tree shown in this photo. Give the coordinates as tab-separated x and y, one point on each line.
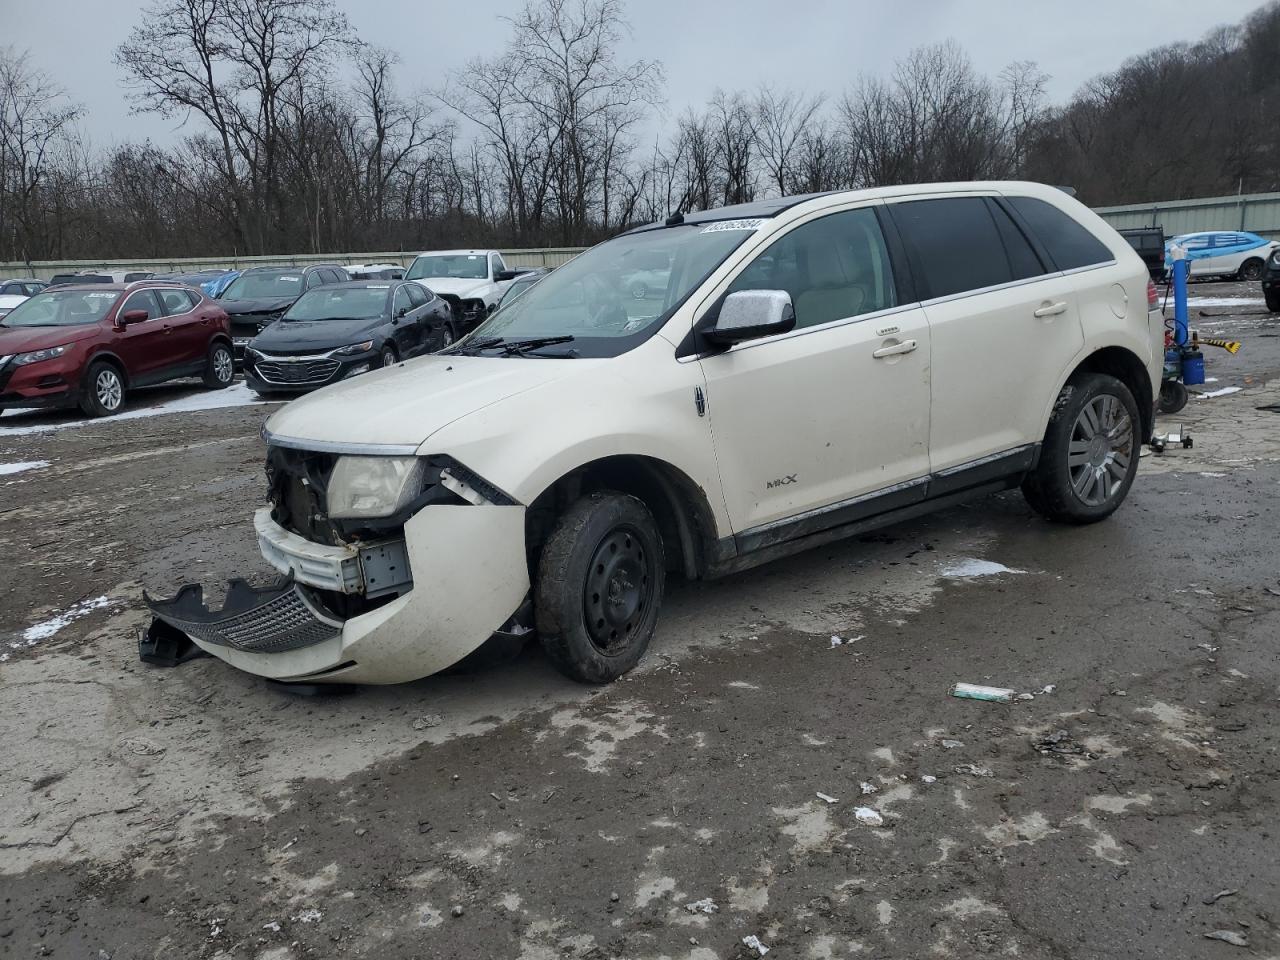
782	121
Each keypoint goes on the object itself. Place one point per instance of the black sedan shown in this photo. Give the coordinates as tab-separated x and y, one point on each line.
338	331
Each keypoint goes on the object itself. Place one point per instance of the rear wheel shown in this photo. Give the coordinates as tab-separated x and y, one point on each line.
1251	269
103	392
1273	299
1090	452
600	581
221	367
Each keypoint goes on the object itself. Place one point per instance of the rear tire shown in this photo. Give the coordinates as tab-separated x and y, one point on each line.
1250	270
1273	300
1090	452
220	369
104	390
600	582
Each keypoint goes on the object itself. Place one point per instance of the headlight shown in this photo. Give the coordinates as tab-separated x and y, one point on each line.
370	487
36	356
355	348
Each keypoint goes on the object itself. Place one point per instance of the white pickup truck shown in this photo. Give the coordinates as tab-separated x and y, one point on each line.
472	281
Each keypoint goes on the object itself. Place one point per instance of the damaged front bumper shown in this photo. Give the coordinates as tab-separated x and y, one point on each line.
459	572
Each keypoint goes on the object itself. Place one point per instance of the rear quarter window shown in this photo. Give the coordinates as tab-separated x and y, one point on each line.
1069	244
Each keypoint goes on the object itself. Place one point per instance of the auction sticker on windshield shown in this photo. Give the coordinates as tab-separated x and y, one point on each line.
732	225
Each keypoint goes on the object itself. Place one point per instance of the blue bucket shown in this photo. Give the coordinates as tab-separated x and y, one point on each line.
1192	367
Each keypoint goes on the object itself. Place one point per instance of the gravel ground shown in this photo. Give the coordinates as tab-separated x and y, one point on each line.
1128	808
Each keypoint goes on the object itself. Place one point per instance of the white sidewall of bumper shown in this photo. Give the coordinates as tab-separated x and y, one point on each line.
469	576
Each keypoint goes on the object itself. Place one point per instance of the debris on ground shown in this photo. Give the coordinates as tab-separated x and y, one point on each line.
428	721
1219	895
705	905
952	744
1221	392
867	788
837	641
1228	936
456	910
310	915
1025	696
973	770
970	568
868	816
928	779
1049	688
823	796
1061	742
976	691
753	942
272	925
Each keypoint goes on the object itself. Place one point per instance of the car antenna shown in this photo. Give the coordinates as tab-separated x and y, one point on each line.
675	219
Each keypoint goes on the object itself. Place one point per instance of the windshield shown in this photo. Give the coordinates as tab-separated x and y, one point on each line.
62	308
262	286
597	299
340	303
464	266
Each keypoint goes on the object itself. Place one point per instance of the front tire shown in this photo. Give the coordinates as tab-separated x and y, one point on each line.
387	355
600	582
220	369
1090	452
1273	299
1250	270
104	390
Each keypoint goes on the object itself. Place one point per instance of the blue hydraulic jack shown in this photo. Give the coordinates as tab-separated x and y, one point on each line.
1183	361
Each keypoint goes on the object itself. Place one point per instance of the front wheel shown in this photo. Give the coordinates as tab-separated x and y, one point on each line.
1250	270
447	337
600	581
1173	396
387	356
1273	299
103	392
1090	452
220	369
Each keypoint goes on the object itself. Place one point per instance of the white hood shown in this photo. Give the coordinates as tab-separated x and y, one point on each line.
454	286
407	403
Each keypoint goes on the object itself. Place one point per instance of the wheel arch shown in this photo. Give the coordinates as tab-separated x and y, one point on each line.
1125	365
108	356
680	507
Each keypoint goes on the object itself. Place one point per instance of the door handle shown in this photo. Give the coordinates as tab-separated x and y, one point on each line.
1051	309
166	328
906	346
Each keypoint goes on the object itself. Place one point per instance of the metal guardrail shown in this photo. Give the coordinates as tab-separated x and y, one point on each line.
43	269
1255	212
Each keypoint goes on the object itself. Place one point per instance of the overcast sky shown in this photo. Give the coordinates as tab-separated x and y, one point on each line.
813	45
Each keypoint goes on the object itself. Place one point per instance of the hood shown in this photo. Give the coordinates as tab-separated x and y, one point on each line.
297	335
10	300
407	403
453	286
260	305
26	339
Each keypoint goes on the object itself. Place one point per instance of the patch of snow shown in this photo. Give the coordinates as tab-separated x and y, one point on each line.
1222	392
236	395
1224	302
21	467
47	628
972	567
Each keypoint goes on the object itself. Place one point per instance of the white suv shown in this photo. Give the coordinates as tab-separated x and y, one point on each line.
816	366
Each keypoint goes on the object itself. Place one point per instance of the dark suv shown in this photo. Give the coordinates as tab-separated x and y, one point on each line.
260	296
1271	282
87	345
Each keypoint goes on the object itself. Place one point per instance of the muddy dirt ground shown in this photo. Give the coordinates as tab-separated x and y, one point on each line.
1131	807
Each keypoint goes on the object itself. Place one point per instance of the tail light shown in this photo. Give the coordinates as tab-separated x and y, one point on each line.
1153	296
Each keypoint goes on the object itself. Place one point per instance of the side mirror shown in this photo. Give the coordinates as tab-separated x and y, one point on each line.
131	316
401	313
504	275
751	314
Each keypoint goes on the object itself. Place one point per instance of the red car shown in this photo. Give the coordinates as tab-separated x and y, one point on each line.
87	345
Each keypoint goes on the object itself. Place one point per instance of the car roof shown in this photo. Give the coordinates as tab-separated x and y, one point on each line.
285	268
22	280
455	253
361	284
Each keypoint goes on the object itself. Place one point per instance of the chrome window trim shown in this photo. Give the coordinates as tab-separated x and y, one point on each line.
335	446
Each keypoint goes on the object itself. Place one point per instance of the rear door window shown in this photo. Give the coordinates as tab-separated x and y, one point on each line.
1023	260
400	301
176	301
1067	242
956	243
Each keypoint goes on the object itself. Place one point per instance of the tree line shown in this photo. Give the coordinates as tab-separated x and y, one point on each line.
301	138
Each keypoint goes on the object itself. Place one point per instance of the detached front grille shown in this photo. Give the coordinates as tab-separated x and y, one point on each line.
255	619
297	372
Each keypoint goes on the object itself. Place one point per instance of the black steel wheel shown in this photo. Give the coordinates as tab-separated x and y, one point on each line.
600	582
1251	269
1173	396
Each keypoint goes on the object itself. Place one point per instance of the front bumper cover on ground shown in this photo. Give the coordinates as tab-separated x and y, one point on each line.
270	619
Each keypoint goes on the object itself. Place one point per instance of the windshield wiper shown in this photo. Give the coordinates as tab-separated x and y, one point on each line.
518	347
468	346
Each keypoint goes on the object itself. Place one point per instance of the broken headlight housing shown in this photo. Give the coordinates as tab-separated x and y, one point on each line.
366	488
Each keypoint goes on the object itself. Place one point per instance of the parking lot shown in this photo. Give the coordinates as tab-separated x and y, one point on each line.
1128	806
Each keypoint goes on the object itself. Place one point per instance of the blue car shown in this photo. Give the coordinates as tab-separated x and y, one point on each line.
1223	253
